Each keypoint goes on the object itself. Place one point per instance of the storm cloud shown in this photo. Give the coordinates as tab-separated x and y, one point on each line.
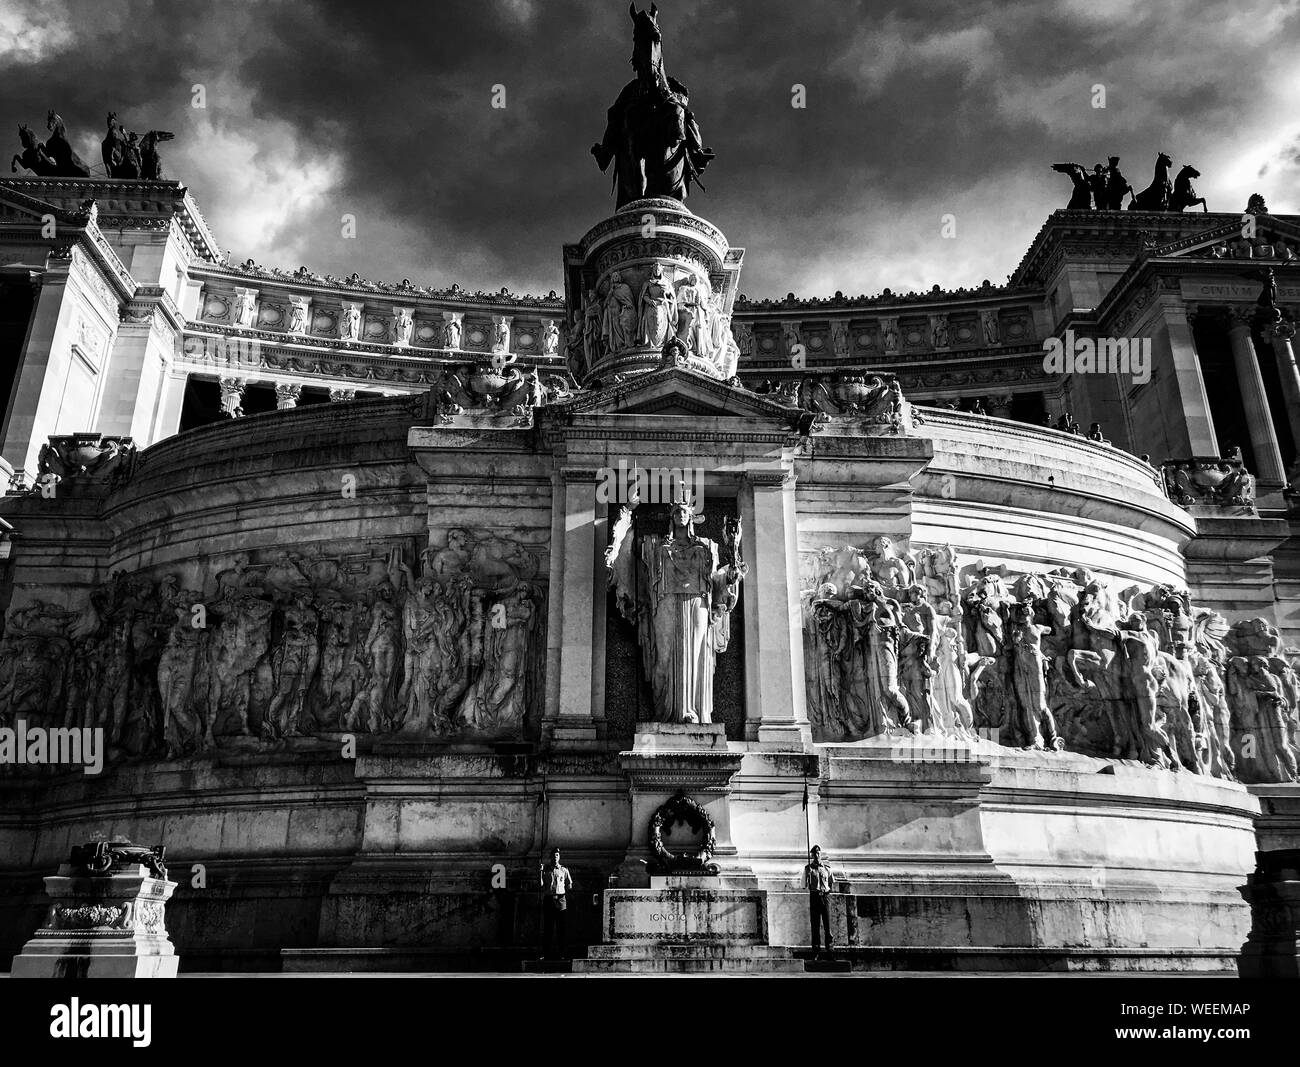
914	112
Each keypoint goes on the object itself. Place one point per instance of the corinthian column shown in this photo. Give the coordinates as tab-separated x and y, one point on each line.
1263	438
1280	336
287	394
232	397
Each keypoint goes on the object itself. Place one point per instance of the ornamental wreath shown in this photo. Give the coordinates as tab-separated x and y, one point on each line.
682	808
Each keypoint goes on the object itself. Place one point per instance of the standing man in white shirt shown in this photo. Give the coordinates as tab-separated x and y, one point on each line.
555	884
820	883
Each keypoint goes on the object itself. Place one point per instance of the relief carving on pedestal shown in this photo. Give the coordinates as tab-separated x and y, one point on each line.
899	641
289	647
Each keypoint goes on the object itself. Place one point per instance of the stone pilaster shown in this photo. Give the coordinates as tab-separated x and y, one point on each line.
1263	438
571	714
167	421
338	394
775	698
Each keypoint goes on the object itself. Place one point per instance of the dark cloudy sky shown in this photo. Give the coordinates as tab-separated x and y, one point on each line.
914	110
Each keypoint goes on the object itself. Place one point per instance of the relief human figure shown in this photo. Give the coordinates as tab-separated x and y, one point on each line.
1033	723
1141	670
245	308
592	317
1095	662
887	567
949	687
878	621
33	683
183	727
826	637
719	326
657	308
841	341
417	615
1179	704
1216	716
497	700
238	645
350	324
692	324
851	713
917	664
914	678
1264	752
335	682
451	560
451	334
382	643
618	319
984	625
456	611
83	684
293	667
550	338
677	592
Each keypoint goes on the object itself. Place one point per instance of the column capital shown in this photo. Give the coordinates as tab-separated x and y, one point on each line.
232	393
1240	318
287	394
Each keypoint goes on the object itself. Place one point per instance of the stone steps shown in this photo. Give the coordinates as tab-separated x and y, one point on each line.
694	958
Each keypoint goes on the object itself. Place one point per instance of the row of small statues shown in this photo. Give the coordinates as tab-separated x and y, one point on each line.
1105	188
890	336
296	648
350	325
126	155
689	310
1051	661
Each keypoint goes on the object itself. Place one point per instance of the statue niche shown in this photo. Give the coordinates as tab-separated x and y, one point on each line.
678	593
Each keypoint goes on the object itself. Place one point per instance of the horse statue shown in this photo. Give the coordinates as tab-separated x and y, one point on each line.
1155	197
69	163
1184	196
651	136
1081	199
150	162
34	157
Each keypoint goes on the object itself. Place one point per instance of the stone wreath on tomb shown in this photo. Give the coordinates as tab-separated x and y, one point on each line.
682	808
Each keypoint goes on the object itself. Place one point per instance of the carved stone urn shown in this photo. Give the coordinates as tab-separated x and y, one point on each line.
106	917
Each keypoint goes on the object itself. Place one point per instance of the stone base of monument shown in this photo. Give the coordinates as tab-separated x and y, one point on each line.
687	923
1273	892
106	926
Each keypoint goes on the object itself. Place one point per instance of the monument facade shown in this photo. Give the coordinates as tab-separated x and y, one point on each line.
334	566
